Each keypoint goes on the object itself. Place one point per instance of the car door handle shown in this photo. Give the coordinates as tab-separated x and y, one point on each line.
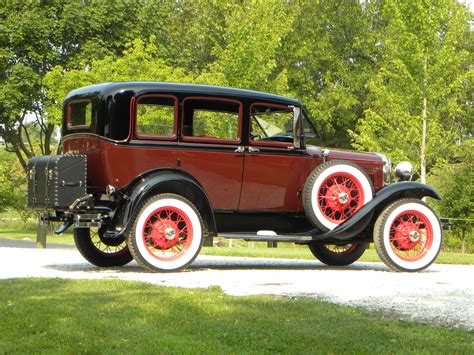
240	149
253	150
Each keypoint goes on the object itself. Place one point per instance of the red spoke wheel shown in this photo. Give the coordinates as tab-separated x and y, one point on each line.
407	235
167	233
338	254
100	250
334	191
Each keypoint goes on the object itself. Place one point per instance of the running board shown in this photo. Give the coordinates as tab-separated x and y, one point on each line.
267	238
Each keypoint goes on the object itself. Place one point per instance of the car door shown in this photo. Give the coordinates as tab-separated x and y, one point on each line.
272	168
210	150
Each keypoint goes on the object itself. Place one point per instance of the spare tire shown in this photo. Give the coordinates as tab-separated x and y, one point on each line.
334	191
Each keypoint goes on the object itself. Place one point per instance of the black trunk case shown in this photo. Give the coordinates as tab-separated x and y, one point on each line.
55	182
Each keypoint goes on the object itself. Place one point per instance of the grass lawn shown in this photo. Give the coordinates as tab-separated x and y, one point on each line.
70	316
11	233
302	252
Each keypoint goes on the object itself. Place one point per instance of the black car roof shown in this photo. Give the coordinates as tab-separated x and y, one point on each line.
140	87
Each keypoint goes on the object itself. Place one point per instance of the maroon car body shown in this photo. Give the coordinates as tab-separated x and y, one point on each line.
242	160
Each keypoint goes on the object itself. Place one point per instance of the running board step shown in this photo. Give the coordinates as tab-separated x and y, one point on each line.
267	238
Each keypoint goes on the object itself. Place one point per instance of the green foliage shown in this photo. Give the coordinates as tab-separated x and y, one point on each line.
329	55
371	73
456	184
83	316
423	72
12	186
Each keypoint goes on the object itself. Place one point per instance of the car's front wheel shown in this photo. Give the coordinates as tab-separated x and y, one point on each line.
338	254
166	233
100	250
408	235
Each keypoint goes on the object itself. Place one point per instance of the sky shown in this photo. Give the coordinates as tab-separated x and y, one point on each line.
469	3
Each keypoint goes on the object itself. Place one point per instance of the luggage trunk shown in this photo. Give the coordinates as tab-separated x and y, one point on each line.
55	182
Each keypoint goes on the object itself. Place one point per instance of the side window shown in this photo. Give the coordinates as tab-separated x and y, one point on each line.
79	114
271	123
211	119
155	116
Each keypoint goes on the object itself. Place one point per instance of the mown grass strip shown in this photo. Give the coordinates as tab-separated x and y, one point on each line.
70	316
303	252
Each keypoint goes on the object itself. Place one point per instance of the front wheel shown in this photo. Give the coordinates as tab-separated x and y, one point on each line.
100	250
338	255
408	235
166	233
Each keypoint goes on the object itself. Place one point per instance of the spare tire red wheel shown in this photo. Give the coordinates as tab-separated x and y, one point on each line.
334	191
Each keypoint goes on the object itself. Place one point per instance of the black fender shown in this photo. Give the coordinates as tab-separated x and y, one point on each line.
370	211
162	181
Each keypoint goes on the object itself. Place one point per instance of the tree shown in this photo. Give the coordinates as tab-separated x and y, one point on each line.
418	103
36	36
456	185
329	56
12	185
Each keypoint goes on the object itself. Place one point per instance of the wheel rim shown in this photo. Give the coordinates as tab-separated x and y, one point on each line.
411	235
344	249
340	196
167	233
107	246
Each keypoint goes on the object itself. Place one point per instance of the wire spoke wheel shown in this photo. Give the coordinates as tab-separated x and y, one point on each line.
166	234
340	196
107	245
341	249
100	250
334	192
338	254
411	235
408	235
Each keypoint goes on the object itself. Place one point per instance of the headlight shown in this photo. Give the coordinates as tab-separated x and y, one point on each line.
387	168
404	171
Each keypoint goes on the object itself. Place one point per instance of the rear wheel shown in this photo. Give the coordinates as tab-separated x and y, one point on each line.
166	233
99	250
408	235
338	255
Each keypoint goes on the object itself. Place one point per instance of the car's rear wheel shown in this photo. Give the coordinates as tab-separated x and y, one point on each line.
100	250
334	191
166	233
408	235
338	254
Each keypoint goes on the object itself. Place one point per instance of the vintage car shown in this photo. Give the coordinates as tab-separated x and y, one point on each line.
153	171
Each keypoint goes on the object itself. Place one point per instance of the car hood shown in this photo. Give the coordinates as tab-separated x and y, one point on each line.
344	154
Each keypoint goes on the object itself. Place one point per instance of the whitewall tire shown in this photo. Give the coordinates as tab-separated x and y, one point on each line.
166	233
408	235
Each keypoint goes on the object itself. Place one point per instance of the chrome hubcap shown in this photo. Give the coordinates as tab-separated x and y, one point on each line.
343	197
414	236
170	233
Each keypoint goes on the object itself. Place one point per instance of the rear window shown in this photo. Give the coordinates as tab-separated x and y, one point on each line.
79	114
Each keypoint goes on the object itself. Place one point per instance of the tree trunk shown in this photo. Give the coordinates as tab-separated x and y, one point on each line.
463	242
424	114
47	139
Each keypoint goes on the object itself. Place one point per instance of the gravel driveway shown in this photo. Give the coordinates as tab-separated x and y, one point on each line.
443	294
